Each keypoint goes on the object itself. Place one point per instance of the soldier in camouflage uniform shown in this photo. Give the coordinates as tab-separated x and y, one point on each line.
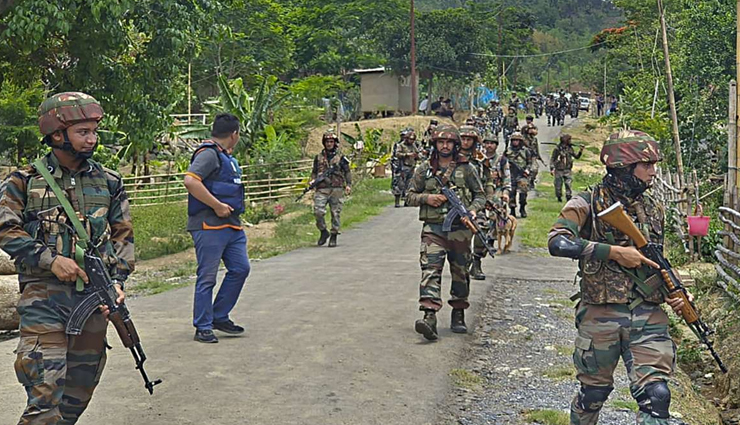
470	148
60	371
497	188
561	166
332	189
613	319
511	124
529	132
436	244
405	154
521	162
551	107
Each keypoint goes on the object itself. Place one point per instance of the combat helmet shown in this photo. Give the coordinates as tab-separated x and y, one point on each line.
629	147
408	133
446	132
516	136
490	137
470	131
330	135
63	110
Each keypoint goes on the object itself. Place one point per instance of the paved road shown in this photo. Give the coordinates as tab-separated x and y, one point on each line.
329	340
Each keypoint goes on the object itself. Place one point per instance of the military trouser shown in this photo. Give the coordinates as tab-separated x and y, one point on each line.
485	225
59	371
563	176
607	332
435	246
521	187
533	177
401	179
334	196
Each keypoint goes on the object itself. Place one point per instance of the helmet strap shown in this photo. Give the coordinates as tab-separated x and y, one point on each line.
67	146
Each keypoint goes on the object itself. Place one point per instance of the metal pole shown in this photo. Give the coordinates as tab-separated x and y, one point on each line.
671	97
414	99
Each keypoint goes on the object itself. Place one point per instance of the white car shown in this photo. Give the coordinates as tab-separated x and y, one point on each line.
584	103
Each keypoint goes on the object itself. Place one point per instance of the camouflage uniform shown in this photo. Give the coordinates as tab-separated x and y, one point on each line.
561	164
612	319
511	124
551	107
499	176
521	161
330	191
404	156
59	371
529	132
477	158
436	244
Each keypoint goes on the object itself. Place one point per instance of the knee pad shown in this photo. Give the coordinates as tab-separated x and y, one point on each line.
655	400
591	398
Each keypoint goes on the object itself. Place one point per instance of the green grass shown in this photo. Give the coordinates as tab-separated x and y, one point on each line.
564	350
544	209
560	373
160	230
465	379
547	417
155	286
627	405
368	199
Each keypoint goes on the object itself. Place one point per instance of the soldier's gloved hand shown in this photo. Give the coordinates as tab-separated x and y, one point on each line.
630	257
436	200
677	303
223	210
67	270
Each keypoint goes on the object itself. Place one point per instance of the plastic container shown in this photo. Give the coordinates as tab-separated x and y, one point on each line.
698	223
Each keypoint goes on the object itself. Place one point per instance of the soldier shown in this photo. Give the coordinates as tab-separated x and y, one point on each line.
497	187
529	132
496	116
427	138
436	244
521	161
60	371
563	106
612	319
405	155
561	166
332	189
470	148
511	124
551	107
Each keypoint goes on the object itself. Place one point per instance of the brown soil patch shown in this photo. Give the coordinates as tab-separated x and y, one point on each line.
390	126
590	133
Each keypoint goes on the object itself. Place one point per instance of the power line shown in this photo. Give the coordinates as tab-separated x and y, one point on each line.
540	54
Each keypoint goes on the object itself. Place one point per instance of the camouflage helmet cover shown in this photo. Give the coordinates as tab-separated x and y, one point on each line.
629	147
329	135
516	136
433	122
446	132
470	131
63	110
490	137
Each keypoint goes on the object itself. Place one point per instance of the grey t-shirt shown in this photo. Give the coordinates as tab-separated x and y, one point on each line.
206	165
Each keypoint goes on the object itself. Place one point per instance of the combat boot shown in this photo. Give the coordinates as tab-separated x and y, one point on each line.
476	271
522	212
560	199
398	201
333	240
457	324
324	237
428	325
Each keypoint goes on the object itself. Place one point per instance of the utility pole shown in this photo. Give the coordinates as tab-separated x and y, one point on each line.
671	97
569	77
414	94
737	103
500	48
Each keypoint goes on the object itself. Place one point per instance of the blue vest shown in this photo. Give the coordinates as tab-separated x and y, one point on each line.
226	185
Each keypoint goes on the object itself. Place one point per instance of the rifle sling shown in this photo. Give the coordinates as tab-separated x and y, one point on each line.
82	236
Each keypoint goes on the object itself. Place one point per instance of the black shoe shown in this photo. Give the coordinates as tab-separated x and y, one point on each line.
522	213
333	240
428	326
567	197
324	236
205	336
228	327
560	199
457	323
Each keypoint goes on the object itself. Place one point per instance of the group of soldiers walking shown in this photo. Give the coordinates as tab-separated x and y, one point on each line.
556	108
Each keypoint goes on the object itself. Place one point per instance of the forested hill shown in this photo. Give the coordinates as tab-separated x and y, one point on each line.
561	18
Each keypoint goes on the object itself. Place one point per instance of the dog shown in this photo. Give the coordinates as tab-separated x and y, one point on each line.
503	228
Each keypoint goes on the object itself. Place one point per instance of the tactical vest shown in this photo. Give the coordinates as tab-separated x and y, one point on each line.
89	191
404	148
430	214
564	157
496	164
336	179
226	185
605	281
519	158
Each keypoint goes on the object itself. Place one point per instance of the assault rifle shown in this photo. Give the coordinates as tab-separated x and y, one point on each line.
466	217
320	178
672	286
100	291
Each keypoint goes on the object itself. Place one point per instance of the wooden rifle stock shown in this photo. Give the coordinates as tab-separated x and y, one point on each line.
617	218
